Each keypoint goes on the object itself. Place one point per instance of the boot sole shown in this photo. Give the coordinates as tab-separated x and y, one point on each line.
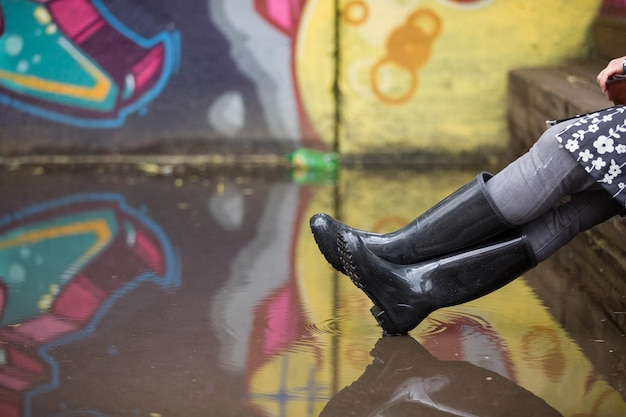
379	313
337	264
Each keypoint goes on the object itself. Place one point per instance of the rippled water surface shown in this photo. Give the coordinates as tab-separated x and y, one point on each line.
156	291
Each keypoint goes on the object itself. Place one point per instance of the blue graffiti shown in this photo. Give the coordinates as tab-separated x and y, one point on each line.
85	93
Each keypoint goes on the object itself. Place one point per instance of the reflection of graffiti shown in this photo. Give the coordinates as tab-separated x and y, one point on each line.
72	61
264	328
471	338
64	264
280	325
285	373
551	361
408	48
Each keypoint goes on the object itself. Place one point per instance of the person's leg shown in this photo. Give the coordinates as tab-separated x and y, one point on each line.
403	295
536	181
559	225
461	219
522	191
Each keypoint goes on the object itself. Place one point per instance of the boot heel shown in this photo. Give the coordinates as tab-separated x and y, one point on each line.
383	320
376	311
405	318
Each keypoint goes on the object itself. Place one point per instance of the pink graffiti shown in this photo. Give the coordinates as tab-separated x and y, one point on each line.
282	14
81	30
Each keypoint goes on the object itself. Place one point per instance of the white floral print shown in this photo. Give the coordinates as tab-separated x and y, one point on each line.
598	163
572	145
585	156
614	169
598	142
603	145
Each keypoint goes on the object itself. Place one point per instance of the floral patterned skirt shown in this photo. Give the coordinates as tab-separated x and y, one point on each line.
598	142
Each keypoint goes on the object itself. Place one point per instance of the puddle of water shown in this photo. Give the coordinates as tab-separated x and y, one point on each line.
194	294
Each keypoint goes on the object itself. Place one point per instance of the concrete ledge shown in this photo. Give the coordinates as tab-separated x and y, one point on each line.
609	35
539	94
595	260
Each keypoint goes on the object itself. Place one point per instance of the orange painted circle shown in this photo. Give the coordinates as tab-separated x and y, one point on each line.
355	12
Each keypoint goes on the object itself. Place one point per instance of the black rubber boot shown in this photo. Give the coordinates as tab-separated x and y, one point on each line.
405	379
404	295
463	218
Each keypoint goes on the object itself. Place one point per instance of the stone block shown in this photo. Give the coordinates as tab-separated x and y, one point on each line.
595	260
609	38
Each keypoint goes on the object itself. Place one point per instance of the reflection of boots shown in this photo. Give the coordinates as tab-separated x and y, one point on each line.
404	295
405	379
463	218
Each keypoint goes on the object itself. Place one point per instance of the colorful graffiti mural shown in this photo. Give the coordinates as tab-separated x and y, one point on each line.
357	74
63	266
72	61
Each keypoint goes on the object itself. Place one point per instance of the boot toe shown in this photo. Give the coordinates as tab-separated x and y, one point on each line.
325	229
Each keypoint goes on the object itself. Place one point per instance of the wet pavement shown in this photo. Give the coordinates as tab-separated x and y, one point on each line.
160	291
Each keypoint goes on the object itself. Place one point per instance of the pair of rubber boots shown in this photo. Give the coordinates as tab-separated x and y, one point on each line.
459	250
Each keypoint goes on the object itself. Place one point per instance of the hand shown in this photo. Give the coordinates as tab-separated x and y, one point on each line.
614	67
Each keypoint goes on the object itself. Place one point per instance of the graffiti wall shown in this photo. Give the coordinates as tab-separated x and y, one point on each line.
364	75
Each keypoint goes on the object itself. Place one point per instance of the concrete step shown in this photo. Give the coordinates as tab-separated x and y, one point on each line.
596	259
539	94
609	35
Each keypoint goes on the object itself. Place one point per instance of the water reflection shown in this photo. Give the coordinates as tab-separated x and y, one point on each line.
64	263
405	379
125	294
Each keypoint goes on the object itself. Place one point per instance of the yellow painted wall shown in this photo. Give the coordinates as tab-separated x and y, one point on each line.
428	75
